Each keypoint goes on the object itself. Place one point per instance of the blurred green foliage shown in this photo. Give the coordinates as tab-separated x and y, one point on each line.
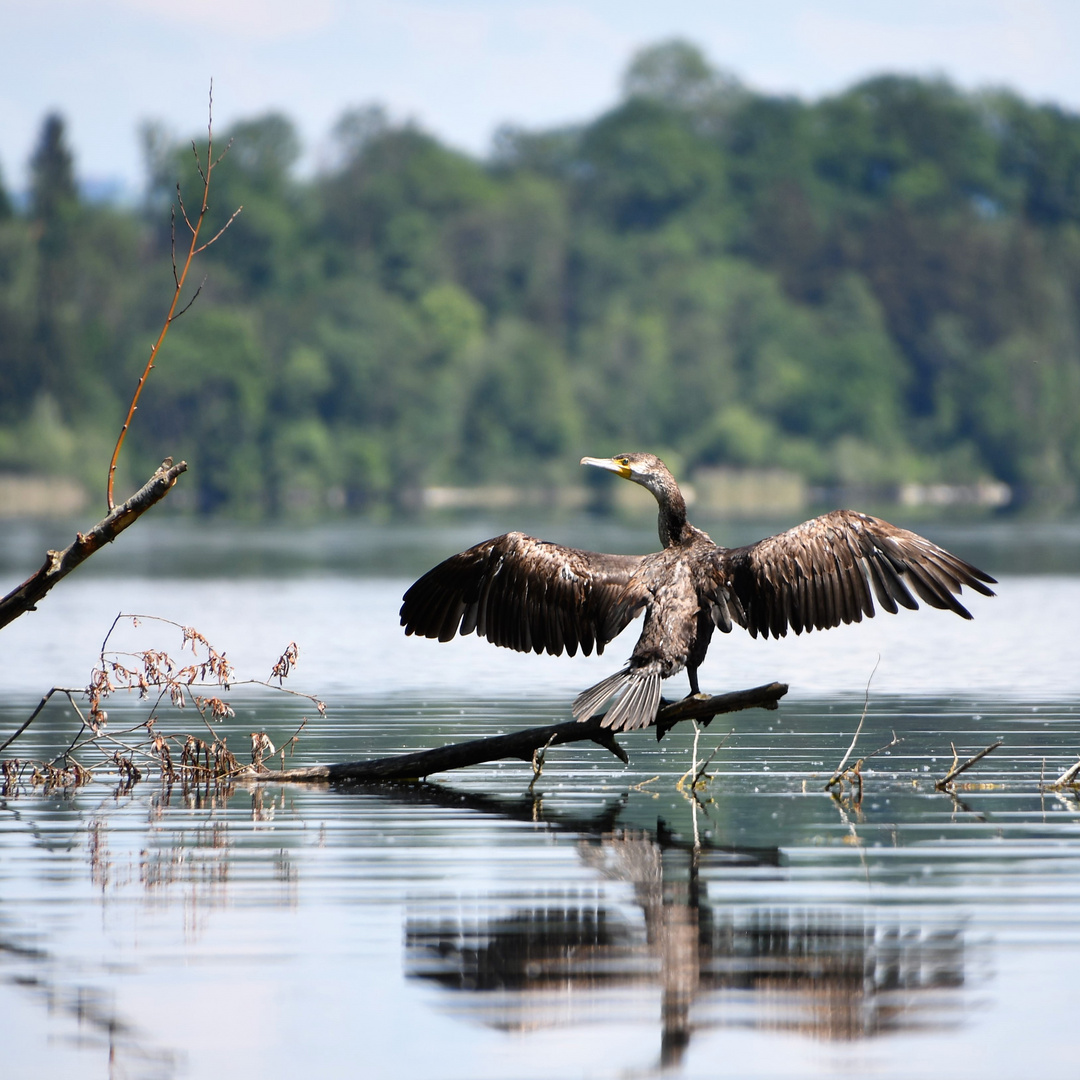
876	287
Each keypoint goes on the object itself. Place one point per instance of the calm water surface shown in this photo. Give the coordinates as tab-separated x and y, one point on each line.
604	926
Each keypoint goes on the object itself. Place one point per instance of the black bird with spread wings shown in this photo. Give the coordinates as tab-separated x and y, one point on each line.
531	595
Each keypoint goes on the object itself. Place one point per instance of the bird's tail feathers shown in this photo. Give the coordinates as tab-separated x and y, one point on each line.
588	702
635	709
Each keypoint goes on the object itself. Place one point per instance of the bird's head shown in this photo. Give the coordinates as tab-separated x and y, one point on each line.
644	469
651	473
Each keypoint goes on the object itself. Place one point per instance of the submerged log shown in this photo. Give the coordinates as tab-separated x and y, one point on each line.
523	745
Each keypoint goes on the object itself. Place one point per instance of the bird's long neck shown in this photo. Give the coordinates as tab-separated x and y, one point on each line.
671	522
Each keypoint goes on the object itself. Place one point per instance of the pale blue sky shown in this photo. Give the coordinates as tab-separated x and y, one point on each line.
461	67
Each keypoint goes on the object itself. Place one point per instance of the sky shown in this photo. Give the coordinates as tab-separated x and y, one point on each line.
460	68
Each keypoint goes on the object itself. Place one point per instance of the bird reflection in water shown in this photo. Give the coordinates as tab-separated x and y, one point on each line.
836	973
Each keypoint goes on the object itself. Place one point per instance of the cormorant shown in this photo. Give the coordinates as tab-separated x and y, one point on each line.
529	594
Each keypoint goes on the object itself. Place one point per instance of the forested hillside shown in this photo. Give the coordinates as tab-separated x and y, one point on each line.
870	288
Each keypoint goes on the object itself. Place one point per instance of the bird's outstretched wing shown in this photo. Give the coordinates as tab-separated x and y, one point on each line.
525	594
821	573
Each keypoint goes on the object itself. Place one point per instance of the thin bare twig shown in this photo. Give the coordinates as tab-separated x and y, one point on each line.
956	769
217	235
1064	780
538	759
180	200
95	737
699	770
693	758
228	147
708	761
894	741
195	296
82	720
855	738
30	719
195	149
291	742
172	245
179	279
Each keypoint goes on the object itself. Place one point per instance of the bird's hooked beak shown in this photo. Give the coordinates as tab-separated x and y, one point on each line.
615	465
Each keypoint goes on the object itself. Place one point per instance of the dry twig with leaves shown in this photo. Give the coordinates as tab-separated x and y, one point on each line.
198	682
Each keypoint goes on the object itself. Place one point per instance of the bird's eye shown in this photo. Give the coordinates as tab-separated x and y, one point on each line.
624	461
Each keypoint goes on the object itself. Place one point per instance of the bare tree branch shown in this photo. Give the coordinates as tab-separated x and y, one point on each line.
180	200
839	771
1067	777
31	718
198	164
179	279
956	769
58	564
217	235
184	309
522	744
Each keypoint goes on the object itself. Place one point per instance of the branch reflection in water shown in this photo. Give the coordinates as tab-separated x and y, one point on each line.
835	973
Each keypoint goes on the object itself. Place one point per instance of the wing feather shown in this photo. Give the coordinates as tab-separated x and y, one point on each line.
526	594
880	587
853	611
828	570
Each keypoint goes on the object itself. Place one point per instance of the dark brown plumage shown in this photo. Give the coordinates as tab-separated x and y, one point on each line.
531	595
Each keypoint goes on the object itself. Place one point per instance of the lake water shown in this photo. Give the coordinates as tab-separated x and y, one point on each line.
605	925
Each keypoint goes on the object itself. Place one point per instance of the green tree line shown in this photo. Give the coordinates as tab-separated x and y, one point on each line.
874	287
